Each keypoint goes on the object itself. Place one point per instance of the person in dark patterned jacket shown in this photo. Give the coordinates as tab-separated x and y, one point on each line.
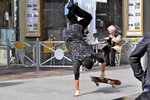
80	51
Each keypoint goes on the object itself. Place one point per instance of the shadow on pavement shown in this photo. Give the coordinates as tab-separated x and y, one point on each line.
108	89
6	84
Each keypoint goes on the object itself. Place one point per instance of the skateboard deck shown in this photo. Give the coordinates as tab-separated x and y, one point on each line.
110	81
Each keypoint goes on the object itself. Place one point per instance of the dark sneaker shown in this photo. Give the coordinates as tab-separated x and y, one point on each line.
112	65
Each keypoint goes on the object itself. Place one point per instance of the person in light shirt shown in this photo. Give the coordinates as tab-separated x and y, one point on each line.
113	44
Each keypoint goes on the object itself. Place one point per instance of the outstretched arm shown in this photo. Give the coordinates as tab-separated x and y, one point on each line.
77	92
102	71
100	60
76	67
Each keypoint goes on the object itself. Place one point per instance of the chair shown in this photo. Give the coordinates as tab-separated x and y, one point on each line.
119	53
19	45
19	52
48	46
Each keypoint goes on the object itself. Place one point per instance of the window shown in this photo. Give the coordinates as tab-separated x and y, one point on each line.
6	21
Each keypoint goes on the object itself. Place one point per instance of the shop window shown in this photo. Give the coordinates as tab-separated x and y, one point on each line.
54	12
6	21
6	16
107	14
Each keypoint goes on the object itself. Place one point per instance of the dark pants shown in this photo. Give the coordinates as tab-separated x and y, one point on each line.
77	11
109	55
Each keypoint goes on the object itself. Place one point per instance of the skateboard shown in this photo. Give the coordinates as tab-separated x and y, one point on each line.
110	81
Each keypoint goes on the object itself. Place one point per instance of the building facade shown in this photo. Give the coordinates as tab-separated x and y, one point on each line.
26	20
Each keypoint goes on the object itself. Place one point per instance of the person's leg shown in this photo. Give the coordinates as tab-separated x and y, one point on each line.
87	17
71	15
112	57
72	18
76	10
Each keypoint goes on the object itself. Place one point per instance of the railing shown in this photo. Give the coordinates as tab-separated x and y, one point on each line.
56	54
38	54
21	54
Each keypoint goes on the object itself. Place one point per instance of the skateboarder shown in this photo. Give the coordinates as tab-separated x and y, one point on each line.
81	52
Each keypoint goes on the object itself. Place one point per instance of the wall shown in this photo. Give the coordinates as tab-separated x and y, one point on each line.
57	32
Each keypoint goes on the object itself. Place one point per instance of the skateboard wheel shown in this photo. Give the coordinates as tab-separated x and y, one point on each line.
97	84
109	81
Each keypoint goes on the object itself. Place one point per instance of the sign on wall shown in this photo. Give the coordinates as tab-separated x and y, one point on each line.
102	1
134	18
32	18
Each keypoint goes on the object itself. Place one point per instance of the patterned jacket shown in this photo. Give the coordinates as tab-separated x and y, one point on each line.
76	45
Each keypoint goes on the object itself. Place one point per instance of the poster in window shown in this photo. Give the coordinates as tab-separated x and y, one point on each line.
135	15
32	26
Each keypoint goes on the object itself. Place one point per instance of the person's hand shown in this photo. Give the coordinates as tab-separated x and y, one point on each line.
106	38
111	36
77	93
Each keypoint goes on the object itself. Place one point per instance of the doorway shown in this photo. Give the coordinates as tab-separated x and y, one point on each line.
109	13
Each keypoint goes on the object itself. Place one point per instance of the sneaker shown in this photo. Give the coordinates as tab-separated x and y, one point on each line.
112	65
66	10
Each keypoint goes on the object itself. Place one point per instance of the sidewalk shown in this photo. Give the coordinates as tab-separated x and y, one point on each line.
62	87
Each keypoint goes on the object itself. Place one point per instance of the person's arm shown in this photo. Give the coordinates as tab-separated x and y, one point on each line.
102	71
76	67
117	39
77	91
100	60
135	58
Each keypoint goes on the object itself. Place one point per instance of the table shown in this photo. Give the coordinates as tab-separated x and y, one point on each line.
98	45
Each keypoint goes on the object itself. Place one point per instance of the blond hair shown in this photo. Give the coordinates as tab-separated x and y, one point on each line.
112	27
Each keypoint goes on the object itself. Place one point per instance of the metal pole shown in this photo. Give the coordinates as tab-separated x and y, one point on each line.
7	40
37	55
8	53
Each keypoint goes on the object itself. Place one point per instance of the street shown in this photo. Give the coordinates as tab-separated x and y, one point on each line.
62	87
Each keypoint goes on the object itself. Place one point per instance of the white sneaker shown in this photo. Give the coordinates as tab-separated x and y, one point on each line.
66	10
